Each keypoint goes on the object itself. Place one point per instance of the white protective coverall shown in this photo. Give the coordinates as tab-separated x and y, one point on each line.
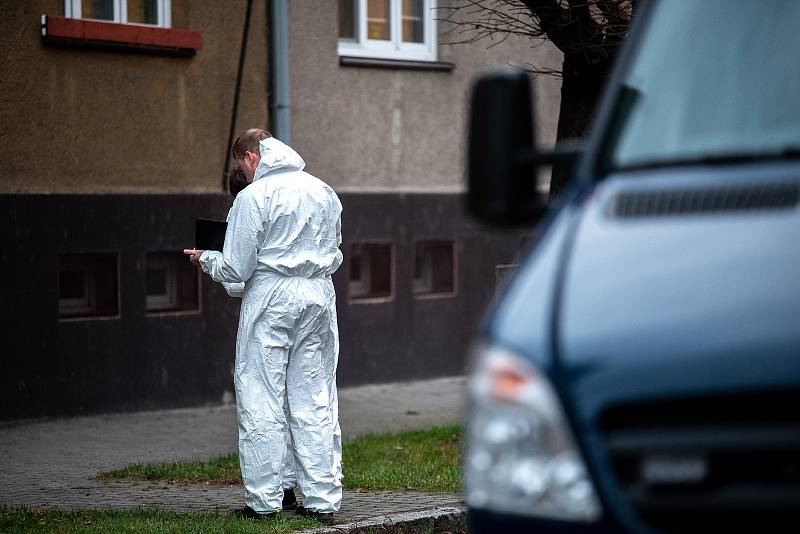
289	474
282	241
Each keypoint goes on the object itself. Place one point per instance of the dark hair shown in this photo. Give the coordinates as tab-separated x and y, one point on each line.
248	142
236	181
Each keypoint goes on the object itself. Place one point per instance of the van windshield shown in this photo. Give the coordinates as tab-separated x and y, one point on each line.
712	79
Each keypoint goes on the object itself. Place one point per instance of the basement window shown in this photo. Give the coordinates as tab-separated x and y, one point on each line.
371	273
88	285
434	269
171	283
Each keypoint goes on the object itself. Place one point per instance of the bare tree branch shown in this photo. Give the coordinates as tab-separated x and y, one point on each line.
588	33
587	30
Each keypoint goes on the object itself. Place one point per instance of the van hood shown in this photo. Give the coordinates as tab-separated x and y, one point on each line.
679	282
276	156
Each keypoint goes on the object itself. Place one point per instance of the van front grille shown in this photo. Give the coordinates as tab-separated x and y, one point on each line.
709	464
661	203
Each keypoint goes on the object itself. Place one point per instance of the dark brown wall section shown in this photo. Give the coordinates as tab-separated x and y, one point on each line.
408	337
136	361
54	367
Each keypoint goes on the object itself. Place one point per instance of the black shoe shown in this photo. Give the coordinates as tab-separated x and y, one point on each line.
326	518
249	513
289	500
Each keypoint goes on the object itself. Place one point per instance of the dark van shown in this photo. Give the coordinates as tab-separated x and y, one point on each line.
641	370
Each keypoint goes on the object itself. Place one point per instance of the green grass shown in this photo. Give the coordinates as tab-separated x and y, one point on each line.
425	460
25	520
219	470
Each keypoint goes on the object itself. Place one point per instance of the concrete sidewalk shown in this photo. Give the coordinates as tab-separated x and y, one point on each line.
50	464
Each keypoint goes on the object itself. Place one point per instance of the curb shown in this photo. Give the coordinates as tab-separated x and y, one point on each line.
446	519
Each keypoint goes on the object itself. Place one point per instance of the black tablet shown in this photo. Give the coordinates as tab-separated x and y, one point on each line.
209	234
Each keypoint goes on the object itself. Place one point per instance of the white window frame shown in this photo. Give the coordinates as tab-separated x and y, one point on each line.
72	10
395	47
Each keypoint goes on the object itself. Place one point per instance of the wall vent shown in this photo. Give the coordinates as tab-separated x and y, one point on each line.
662	203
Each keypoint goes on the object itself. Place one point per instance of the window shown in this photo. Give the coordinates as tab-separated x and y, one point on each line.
149	12
434	268
388	29
171	283
87	285
370	271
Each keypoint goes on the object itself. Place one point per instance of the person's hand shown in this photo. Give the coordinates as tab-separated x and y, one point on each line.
194	255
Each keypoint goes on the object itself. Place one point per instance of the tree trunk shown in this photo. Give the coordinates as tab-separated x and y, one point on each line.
581	87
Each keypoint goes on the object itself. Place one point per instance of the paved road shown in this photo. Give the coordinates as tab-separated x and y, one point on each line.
50	464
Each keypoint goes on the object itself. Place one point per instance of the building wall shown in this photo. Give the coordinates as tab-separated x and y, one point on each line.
115	152
408	336
134	360
137	360
91	121
373	129
392	144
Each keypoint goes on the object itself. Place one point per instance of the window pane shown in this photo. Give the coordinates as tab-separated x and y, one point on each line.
87	285
433	268
370	271
188	284
105	285
170	283
378	20
380	281
97	9
412	21
442	268
355	267
71	285
142	11
347	19
156	282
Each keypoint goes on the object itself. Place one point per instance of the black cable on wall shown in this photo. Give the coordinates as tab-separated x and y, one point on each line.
236	93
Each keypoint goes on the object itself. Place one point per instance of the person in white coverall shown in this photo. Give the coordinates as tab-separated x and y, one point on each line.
284	230
237	180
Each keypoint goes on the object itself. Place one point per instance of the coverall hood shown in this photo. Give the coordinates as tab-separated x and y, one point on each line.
275	156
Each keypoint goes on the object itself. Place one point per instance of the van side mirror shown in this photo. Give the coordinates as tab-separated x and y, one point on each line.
502	159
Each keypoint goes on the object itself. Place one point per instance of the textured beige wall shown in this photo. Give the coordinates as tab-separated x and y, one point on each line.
368	129
78	121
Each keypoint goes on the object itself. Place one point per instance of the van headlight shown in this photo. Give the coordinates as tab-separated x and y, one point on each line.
521	457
